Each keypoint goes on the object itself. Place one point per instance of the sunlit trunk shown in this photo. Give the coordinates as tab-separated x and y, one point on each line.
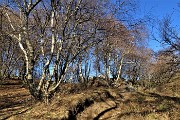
109	66
81	78
120	70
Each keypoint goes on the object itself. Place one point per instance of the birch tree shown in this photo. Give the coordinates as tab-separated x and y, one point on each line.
54	38
60	37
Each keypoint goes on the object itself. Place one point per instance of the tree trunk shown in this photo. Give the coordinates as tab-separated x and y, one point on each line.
109	66
120	70
81	78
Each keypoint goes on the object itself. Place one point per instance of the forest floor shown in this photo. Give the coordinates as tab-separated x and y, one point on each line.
14	99
95	103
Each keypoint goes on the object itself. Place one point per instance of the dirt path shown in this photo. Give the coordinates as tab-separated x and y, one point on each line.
91	104
14	99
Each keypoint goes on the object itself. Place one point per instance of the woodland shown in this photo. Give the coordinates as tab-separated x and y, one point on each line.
54	49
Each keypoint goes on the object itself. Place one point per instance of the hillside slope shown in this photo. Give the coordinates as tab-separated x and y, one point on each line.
14	99
103	103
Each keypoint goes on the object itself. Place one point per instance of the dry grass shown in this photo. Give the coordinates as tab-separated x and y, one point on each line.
69	106
107	104
13	99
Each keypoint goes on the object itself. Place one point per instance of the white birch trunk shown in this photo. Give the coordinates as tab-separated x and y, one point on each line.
120	69
46	66
81	78
109	66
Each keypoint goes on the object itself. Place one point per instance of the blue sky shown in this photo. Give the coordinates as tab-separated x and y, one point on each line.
158	9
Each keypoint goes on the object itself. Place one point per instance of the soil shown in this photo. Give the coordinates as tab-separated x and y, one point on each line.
14	99
96	103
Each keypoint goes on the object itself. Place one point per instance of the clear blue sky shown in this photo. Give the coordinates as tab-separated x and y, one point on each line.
158	9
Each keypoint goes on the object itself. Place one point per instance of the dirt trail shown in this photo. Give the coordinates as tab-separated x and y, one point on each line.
97	110
106	109
14	99
100	103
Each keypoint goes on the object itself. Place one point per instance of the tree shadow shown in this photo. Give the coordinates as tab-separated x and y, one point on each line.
9	102
142	113
164	97
103	112
16	113
14	104
156	103
161	97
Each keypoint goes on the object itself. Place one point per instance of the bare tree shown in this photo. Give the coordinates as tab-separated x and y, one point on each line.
10	60
167	63
164	68
55	39
169	34
56	43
